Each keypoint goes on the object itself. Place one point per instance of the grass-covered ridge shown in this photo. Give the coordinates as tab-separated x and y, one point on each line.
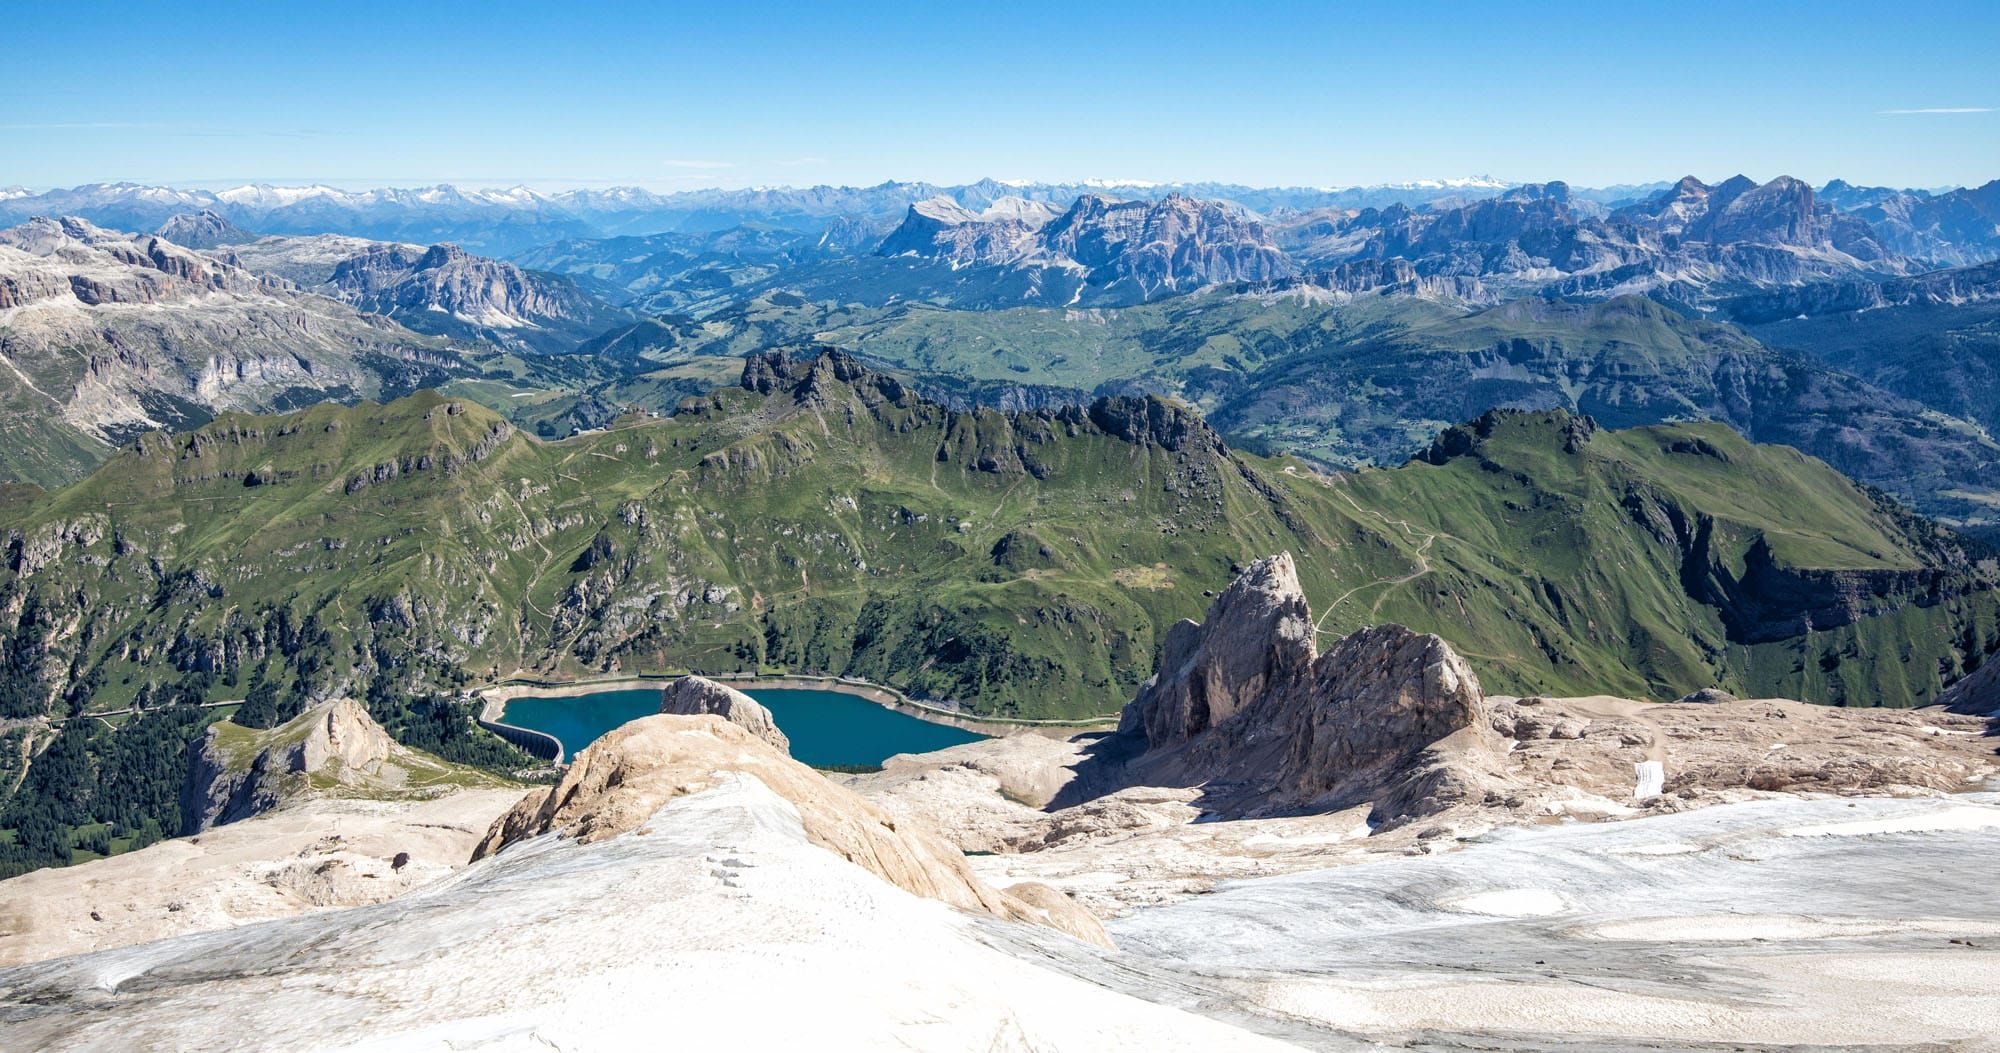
821	518
1367	380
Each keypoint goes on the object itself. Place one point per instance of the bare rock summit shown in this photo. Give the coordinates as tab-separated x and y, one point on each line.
695	695
617	785
1246	705
237	772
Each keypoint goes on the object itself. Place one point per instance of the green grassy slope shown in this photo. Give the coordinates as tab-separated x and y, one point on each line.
1369	380
1025	565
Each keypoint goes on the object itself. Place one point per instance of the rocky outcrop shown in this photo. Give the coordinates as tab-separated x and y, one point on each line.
205	229
1257	633
1245	704
1976	693
696	695
235	772
1152	420
619	783
815	381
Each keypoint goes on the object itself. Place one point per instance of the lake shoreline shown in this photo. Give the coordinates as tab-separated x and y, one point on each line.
494	707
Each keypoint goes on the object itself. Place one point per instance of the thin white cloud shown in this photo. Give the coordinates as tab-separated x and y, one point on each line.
699	164
800	162
1936	109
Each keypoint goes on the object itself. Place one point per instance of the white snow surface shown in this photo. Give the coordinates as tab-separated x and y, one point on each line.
715	927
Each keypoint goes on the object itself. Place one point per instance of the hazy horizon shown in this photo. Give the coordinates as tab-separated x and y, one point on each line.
555	188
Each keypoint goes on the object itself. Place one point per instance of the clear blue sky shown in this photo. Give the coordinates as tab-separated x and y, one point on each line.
558	94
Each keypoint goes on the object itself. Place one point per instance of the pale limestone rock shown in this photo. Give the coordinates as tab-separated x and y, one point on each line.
983	796
238	772
615	787
694	695
316	854
344	743
333	749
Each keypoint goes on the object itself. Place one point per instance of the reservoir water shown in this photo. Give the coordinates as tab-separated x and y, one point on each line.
827	728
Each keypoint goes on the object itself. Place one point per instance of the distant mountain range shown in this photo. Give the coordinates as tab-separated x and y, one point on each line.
1109	251
514	219
106	335
1858	323
438	289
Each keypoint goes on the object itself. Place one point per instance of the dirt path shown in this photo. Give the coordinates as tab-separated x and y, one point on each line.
1422	555
27	758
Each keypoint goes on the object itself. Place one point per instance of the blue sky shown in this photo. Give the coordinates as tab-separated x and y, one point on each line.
733	94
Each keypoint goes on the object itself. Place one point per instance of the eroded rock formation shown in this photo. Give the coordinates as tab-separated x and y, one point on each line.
331	750
1244	703
695	695
617	785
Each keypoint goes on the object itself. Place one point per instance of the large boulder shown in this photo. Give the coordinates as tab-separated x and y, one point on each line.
695	695
1244	704
617	785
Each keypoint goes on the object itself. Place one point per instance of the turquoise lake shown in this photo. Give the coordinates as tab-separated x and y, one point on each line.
827	728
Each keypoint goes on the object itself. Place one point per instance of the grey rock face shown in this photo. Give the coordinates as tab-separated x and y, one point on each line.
1171	245
95	364
1244	703
1005	232
694	695
438	289
1258	633
1126	250
206	229
230	779
1977	693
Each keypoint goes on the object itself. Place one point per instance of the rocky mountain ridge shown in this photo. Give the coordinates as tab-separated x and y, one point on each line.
439	289
206	229
668	547
1689	243
233	776
110	334
1125	251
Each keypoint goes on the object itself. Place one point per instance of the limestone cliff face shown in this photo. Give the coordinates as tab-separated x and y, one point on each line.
617	785
237	773
696	695
1246	704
